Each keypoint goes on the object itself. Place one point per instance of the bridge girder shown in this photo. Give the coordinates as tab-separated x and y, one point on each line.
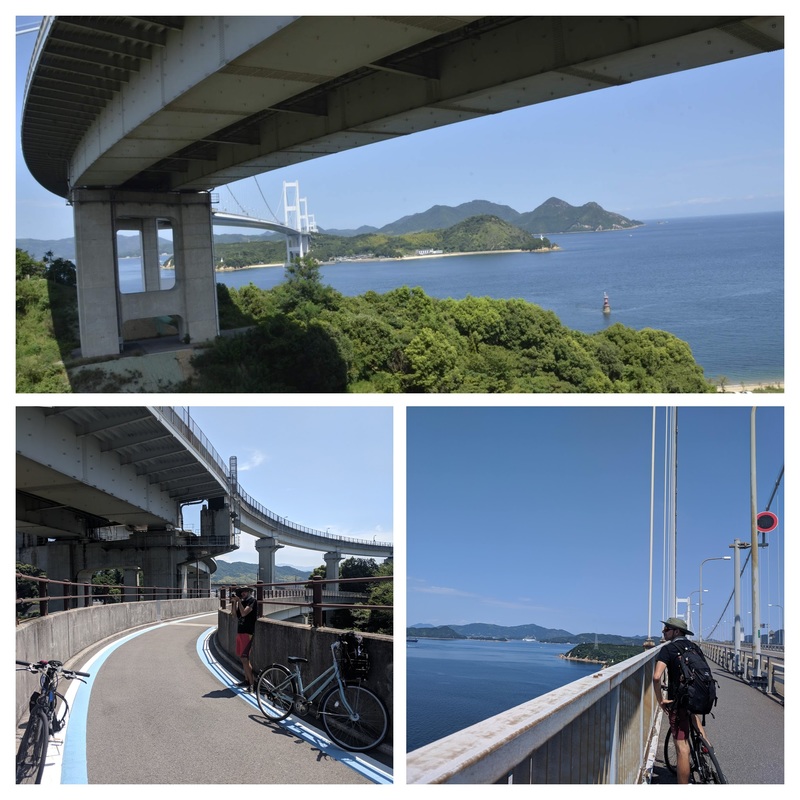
288	89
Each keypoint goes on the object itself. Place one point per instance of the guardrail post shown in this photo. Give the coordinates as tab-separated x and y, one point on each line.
316	602
260	599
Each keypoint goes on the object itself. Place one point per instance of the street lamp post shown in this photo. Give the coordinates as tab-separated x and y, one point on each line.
689	606
700	602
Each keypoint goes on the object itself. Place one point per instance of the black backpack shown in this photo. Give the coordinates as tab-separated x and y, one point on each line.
697	689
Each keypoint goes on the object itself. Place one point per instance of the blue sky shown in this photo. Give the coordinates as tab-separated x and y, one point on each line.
542	515
705	141
322	467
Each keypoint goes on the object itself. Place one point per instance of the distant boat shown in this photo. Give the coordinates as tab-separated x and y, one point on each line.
412	640
606	306
529	639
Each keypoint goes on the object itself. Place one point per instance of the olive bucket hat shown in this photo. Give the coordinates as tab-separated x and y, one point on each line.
677	622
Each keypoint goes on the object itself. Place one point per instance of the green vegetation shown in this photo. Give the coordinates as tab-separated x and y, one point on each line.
481	233
439	632
303	336
245	573
47	324
378	593
606	654
28	590
306	337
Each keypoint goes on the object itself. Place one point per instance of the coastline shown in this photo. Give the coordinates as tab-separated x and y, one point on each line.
400	258
748	387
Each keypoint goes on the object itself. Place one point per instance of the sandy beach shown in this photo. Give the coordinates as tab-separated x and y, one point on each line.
747	388
400	258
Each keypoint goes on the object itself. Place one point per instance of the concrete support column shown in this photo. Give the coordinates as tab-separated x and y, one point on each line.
184	570
102	308
85	596
332	561
98	290
131	580
266	549
150	259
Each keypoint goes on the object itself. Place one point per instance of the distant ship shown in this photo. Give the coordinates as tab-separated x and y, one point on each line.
529	639
606	306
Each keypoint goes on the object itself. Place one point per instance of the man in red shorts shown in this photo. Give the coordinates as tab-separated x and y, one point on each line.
244	607
679	718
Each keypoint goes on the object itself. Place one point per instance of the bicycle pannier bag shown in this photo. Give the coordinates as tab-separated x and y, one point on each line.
355	659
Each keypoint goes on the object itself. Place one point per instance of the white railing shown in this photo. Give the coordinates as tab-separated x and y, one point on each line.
594	730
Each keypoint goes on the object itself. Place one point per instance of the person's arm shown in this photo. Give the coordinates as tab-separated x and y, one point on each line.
658	674
245	609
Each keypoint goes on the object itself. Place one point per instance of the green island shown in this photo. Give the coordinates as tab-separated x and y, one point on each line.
485	233
601	653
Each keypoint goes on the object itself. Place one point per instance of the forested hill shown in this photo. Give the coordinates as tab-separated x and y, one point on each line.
552	216
243	572
476	234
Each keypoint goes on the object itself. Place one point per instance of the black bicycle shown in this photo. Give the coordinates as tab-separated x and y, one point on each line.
703	764
48	715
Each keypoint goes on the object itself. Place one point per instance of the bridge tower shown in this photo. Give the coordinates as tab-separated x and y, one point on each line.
296	216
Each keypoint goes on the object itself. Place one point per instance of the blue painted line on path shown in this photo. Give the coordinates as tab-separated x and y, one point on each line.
364	765
73	767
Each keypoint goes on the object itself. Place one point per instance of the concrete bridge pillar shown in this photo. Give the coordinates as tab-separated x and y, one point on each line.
332	561
130	578
266	549
103	309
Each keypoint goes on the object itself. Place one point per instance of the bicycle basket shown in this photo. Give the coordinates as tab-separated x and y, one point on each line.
354	659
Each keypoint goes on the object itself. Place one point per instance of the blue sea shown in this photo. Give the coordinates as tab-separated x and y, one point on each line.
715	282
454	684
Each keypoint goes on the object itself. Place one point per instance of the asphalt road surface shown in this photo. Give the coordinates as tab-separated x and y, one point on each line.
158	715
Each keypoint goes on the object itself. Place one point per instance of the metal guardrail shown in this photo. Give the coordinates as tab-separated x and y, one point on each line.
594	730
83	595
771	674
311	594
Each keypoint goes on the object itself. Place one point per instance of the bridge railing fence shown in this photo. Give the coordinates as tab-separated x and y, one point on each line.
69	595
771	674
316	594
596	730
180	419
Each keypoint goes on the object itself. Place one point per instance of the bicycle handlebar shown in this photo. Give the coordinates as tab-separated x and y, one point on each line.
42	666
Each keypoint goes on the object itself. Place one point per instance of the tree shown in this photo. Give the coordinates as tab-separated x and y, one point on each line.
28	267
27	588
106	585
59	270
381	593
357	568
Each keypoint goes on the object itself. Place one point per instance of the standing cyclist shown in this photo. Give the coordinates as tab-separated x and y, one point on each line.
679	718
244	606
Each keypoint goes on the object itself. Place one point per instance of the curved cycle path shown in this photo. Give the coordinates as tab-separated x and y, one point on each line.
161	709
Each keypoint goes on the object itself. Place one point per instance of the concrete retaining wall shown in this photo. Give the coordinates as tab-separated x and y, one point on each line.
65	634
274	641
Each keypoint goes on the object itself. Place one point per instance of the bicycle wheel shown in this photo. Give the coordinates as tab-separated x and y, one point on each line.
670	753
363	726
275	692
707	764
33	748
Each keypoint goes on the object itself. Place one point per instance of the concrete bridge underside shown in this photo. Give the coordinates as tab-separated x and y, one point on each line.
134	119
102	488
